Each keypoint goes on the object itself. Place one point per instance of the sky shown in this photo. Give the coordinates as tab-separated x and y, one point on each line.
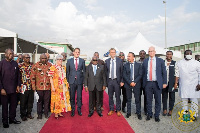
98	25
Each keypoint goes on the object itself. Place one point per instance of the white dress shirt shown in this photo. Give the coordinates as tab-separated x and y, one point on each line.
115	76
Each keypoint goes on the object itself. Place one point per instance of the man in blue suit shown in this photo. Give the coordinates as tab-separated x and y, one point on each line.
75	77
132	74
154	80
113	69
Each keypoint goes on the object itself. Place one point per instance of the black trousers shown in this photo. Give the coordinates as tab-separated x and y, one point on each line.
12	99
75	87
124	97
101	99
142	90
137	96
26	103
165	93
113	86
95	97
44	96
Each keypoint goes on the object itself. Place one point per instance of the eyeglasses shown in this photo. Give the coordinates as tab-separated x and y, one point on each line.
94	60
27	57
59	59
121	55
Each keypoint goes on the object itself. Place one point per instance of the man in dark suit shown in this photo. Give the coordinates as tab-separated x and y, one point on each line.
154	80
132	74
9	84
114	71
95	82
75	77
170	67
100	62
122	56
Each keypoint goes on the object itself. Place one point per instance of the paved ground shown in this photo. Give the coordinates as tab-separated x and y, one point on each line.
139	126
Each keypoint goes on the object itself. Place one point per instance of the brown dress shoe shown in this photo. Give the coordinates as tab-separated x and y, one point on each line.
164	112
170	113
119	113
110	113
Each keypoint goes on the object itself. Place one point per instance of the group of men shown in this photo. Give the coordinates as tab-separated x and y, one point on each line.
19	78
150	76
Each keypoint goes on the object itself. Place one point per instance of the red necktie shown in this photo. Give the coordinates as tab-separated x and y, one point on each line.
150	72
76	65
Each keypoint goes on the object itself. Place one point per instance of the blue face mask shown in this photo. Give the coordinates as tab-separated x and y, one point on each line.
15	58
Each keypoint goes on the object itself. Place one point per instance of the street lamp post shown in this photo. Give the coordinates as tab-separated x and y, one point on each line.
164	2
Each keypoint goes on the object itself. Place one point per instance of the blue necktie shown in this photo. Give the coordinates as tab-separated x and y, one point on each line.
131	76
112	70
95	69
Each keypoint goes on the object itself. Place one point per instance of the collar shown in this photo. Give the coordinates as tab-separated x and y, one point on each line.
152	58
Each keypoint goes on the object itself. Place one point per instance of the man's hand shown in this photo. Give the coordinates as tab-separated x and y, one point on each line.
104	88
3	92
175	86
17	90
164	86
121	84
132	84
86	89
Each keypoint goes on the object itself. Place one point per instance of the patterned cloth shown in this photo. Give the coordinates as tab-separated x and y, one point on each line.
39	76
25	72
60	99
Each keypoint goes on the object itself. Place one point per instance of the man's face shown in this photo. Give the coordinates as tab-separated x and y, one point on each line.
97	55
43	59
142	54
76	53
112	53
9	55
121	56
151	52
27	58
169	55
94	61
64	56
130	57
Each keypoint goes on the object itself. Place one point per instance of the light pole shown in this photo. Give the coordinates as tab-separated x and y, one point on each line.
164	2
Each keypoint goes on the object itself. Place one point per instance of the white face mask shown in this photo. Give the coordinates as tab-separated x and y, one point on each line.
189	57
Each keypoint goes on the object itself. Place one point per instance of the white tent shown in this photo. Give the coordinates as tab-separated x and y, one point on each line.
141	43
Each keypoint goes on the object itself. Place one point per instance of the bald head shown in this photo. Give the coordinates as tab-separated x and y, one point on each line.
152	52
47	55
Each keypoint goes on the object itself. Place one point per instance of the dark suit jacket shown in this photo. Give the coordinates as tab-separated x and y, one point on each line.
71	71
161	72
99	80
137	75
119	69
171	76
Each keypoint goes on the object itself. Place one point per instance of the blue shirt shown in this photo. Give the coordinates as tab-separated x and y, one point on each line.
154	78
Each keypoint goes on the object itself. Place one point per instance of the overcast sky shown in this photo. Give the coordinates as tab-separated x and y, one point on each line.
97	25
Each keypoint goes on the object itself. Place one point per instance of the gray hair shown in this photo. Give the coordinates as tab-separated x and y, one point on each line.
59	57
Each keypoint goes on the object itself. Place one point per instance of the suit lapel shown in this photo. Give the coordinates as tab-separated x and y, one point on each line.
91	69
73	63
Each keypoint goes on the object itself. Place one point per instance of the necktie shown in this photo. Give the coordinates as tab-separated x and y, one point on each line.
131	76
76	65
95	69
150	72
112	70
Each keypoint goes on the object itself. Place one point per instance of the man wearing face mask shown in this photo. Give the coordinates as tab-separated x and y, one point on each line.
188	73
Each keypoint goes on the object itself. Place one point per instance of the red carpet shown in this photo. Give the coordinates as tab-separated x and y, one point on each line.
84	124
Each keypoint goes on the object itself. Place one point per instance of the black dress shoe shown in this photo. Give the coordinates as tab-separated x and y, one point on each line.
24	118
157	119
128	115
123	110
39	117
148	117
90	114
5	125
139	116
30	116
72	114
79	113
14	122
100	114
46	116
